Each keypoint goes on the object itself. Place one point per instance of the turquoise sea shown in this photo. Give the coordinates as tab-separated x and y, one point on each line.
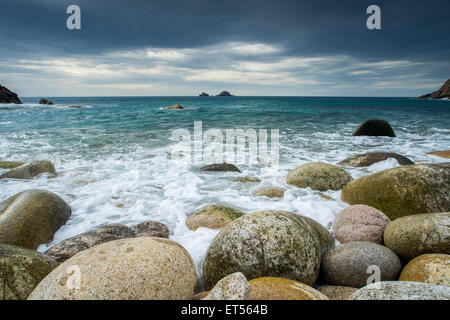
113	156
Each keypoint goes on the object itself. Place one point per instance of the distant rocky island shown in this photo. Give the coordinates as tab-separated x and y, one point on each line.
442	93
222	94
7	96
203	94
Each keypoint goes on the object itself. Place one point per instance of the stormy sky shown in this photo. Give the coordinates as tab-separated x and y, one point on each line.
249	47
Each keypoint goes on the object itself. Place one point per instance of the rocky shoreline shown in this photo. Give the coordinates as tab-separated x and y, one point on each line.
395	229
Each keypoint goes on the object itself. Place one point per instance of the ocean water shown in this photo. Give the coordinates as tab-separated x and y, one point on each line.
114	163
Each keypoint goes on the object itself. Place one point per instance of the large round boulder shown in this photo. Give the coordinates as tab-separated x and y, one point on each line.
401	290
360	223
318	176
21	270
32	217
367	159
30	170
269	192
414	235
265	243
351	263
233	287
326	239
432	268
213	216
376	128
274	288
404	190
128	269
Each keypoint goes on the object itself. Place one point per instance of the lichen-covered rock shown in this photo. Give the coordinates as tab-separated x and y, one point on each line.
432	268
233	287
265	243
128	269
337	292
326	239
29	170
21	270
348	264
32	217
375	127
403	191
115	231
441	153
414	235
246	179
270	192
274	288
318	176
214	216
360	223
367	159
220	167
401	290
10	164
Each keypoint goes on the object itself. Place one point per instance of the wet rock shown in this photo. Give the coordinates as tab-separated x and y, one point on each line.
375	127
270	192
401	290
21	270
265	243
318	176
414	235
212	216
367	159
10	164
30	170
442	153
220	167
273	288
75	107
347	264
72	246
246	179
45	101
7	96
432	268
176	107
200	296
127	269
337	292
32	217
360	223
403	191
233	287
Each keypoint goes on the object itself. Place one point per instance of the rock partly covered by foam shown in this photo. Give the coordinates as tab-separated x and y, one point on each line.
127	269
401	290
270	192
220	167
21	270
349	263
274	288
375	128
360	223
71	246
30	170
7	96
367	159
214	216
404	190
414	235
32	217
443	92
432	268
10	164
318	176
265	243
233	287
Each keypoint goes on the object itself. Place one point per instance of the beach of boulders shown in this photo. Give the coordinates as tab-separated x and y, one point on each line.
392	241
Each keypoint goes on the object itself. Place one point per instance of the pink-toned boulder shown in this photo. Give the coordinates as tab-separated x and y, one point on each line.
360	223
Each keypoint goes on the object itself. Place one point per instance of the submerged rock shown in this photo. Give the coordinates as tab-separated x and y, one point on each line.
367	159
220	167
375	128
270	192
403	191
30	170
175	106
337	292
442	153
265	243
22	269
10	164
246	179
213	216
72	246
7	96
443	92
318	176
401	290
32	217
233	287
127	269
274	288
360	223
432	268
414	235
45	101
